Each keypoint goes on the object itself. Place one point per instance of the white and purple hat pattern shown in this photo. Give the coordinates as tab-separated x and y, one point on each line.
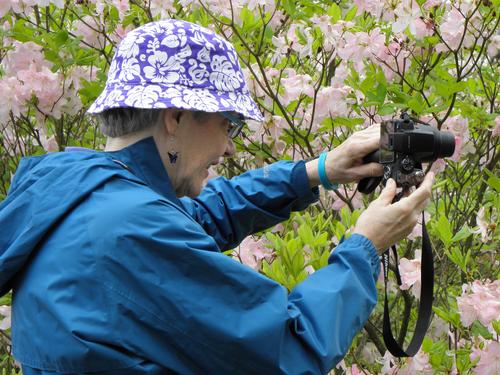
178	64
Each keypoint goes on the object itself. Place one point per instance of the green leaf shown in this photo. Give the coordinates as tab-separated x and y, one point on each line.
463	233
386	109
416	104
61	38
334	12
306	234
350	122
477	329
496	326
351	13
493	180
444	230
449	316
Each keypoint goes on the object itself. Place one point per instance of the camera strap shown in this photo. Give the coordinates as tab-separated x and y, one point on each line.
426	298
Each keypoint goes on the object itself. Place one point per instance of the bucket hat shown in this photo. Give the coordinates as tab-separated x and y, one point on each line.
176	64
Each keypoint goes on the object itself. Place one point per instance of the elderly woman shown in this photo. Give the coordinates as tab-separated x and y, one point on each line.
115	257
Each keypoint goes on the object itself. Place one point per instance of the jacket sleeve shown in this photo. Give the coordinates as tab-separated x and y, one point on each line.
178	302
230	210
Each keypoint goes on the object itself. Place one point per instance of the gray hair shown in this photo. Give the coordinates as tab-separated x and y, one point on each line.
117	122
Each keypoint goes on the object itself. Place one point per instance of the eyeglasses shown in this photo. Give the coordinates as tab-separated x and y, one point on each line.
236	123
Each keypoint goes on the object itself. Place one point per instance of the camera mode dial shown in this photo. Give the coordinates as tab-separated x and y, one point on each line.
387	172
407	164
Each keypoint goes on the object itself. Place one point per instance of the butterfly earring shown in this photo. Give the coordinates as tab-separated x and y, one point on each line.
173	155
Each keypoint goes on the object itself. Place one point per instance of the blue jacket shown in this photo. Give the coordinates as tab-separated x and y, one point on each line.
113	274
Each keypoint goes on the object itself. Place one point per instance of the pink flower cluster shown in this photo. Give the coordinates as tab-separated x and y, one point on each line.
29	79
18	6
91	32
419	364
373	7
252	252
452	30
479	301
5	312
357	46
459	126
410	273
489	362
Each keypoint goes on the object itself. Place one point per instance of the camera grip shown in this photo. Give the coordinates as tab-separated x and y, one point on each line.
369	184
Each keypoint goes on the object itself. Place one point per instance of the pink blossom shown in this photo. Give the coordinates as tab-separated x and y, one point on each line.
16	101
370	352
49	144
252	252
161	8
483	225
4	7
296	86
79	73
494	46
120	33
459	126
122	6
423	28
254	82
389	365
410	273
332	33
376	43
433	3
341	74
438	329
353	48
419	364
276	127
24	56
407	13
255	4
489	364
281	50
295	42
373	7
90	32
452	28
392	59
5	311
331	102
496	129
278	228
479	301
45	86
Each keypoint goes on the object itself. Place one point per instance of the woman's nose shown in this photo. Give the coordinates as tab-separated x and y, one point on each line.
230	149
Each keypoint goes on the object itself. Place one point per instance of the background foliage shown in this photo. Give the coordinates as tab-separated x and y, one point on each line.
319	70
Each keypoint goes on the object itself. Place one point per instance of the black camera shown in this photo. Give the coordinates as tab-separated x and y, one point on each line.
404	145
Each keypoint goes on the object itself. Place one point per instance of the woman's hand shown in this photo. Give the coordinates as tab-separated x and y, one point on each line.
384	223
344	164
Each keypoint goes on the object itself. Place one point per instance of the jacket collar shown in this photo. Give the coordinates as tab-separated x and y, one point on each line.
143	160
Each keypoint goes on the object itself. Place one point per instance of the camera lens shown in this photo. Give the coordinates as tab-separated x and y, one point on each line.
445	144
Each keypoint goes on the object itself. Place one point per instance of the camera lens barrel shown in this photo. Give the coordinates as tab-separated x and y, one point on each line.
445	144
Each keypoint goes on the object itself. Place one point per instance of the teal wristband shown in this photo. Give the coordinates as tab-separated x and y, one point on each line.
322	174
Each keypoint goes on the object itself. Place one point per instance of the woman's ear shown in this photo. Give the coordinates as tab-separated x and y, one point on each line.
171	118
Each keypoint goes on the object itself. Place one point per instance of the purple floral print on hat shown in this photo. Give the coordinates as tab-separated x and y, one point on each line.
173	63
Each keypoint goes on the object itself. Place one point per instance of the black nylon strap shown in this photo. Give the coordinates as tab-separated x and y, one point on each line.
426	299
